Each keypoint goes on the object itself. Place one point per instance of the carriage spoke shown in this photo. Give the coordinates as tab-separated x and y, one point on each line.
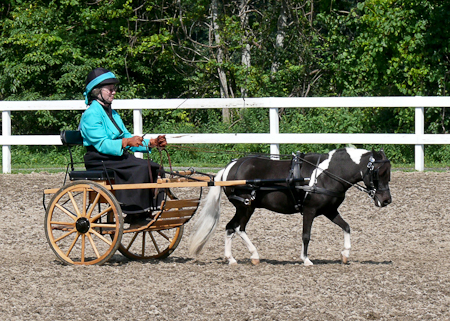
72	245
84	201
101	237
103	225
74	203
62	223
165	236
66	211
65	235
99	215
154	242
97	197
93	244
143	244
83	245
132	240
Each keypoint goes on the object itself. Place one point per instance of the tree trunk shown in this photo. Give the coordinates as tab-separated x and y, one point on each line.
281	33
246	58
220	58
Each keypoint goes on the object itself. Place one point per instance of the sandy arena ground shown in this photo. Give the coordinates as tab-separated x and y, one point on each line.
399	265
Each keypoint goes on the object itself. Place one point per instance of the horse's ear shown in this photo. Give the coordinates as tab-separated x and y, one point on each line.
376	154
373	152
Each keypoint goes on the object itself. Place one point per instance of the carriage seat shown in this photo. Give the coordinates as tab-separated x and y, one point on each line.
92	175
72	138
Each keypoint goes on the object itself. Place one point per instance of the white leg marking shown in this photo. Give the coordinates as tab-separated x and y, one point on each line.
228	256
250	246
306	261
346	252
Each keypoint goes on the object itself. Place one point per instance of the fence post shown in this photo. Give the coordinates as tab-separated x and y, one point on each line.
6	149
138	127
419	149
274	130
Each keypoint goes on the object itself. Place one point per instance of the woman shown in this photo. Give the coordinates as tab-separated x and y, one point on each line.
108	143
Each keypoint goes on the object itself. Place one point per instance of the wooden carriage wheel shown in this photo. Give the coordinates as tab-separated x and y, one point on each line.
151	243
77	220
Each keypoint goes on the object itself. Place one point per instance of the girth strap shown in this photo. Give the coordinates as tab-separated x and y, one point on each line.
245	201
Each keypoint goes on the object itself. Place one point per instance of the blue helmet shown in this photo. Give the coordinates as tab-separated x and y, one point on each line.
98	77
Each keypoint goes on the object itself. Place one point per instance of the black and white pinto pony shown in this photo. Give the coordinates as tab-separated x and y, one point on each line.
330	176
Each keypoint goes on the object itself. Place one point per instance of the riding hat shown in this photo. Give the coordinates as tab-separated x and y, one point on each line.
96	78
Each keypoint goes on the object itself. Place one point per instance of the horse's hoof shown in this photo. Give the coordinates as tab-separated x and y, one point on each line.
233	263
344	259
307	262
255	261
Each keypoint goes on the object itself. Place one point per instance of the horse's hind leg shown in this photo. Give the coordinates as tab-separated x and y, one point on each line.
338	220
237	226
228	240
255	256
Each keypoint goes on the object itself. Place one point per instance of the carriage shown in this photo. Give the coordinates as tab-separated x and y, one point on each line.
84	222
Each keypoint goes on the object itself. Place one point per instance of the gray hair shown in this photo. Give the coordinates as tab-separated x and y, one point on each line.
93	95
95	92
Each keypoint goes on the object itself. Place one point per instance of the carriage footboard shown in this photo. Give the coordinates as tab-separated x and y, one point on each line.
175	213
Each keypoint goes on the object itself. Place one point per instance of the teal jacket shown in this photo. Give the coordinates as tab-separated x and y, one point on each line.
99	131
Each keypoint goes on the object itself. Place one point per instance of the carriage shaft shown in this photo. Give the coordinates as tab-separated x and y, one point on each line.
208	183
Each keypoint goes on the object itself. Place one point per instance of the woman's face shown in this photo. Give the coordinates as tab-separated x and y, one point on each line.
107	93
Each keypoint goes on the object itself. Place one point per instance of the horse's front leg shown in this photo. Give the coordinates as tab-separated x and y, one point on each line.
308	218
339	221
345	254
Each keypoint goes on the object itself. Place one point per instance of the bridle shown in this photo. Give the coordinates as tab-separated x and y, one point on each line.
373	174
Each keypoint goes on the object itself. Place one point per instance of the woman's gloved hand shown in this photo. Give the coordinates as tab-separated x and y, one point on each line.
159	141
134	141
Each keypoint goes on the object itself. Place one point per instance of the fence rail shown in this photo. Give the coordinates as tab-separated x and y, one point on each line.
274	137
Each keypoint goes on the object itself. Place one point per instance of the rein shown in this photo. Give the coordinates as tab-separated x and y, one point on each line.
160	150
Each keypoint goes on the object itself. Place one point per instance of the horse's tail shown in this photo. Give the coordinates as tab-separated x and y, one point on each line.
208	218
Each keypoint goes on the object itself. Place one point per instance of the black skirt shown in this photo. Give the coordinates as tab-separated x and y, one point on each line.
128	170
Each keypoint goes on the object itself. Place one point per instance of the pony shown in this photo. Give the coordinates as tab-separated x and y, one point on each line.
314	184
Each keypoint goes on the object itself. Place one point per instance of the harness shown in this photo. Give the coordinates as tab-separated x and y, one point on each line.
296	183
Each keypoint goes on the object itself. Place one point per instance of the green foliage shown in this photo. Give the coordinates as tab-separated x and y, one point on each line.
386	47
166	49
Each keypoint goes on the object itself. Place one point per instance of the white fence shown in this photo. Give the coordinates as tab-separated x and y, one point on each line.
274	138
